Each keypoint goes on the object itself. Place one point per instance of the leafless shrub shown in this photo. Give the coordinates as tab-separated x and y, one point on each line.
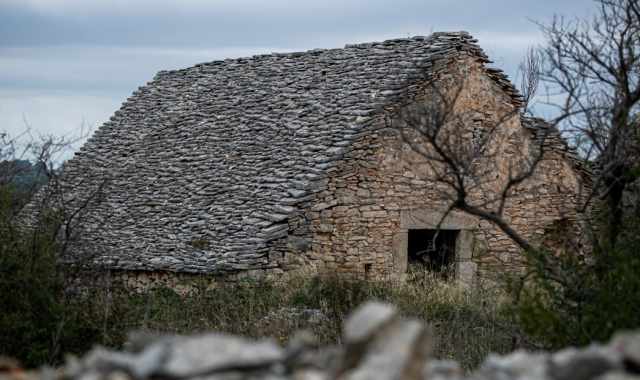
593	68
40	215
591	76
459	145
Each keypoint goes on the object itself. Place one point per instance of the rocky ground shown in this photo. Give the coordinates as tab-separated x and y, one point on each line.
377	344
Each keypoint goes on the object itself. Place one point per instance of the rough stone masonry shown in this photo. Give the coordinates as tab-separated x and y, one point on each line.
378	345
282	163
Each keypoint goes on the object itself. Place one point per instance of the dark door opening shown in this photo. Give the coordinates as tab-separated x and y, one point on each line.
434	250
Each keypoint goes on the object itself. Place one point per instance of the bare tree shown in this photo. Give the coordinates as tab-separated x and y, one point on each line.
460	145
41	217
45	200
593	67
30	153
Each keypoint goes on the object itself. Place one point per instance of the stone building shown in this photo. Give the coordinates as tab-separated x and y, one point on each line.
284	163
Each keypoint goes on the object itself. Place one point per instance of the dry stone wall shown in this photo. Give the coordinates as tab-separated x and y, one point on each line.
377	344
359	223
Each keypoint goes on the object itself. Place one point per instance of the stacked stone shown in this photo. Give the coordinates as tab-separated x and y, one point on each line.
378	344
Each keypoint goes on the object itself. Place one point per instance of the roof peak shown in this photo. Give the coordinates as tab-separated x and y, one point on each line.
452	35
430	38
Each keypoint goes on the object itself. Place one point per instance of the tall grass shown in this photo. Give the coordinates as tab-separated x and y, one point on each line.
468	323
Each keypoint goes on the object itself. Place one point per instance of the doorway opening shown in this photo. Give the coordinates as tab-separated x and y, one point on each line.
434	250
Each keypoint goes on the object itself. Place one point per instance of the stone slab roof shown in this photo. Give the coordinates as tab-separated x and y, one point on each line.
207	163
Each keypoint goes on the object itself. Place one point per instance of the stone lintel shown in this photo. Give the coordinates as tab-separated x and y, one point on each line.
430	219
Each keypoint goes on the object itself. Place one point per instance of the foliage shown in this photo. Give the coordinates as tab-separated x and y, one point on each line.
583	299
36	323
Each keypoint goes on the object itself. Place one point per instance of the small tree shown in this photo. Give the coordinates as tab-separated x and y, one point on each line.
594	66
37	323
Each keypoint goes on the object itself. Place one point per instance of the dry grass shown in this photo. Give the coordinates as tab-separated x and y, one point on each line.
468	323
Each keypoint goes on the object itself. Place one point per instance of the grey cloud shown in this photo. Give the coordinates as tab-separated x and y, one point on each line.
53	112
250	23
57	89
65	61
100	69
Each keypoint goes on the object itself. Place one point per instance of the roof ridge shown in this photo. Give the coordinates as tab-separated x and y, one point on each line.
427	39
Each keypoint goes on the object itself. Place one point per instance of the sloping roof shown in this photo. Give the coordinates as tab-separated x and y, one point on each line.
208	162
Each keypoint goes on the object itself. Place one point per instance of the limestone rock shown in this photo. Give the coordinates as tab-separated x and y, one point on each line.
381	345
518	365
443	370
366	321
215	353
628	346
401	352
574	364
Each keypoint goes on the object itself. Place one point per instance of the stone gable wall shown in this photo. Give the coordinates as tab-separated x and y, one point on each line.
359	223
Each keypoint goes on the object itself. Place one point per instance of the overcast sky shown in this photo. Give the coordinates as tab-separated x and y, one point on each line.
64	63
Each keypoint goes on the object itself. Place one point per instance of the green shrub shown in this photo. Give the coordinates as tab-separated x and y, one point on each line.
574	300
36	324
